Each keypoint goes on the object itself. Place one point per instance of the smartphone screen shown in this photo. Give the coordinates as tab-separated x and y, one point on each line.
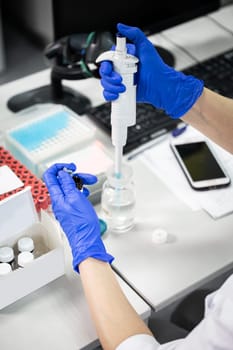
200	165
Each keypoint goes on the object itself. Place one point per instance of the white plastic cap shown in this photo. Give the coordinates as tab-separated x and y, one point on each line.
25	244
159	236
6	254
5	268
25	258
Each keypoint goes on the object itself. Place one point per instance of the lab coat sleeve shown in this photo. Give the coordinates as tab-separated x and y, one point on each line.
139	342
214	332
146	342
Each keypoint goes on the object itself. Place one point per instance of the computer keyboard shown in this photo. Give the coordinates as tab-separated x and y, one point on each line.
150	124
217	73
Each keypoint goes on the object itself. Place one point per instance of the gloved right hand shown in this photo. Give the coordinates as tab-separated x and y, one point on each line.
75	214
157	83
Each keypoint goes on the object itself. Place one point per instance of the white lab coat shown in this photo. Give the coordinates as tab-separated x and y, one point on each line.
214	332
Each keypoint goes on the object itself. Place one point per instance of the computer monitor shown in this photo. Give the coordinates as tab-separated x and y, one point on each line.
72	16
83	17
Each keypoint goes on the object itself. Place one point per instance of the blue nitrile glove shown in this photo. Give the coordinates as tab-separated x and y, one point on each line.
75	213
157	83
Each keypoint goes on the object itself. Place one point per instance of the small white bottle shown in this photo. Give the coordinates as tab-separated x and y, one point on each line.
7	256
25	244
25	258
5	268
25	247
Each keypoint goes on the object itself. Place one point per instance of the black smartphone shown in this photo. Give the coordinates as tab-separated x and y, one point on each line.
200	165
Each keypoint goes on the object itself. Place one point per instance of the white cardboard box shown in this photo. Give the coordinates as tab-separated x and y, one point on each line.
18	218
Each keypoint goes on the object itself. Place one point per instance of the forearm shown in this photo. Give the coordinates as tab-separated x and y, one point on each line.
114	318
212	114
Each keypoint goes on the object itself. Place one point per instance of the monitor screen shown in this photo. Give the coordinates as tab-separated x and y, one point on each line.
73	16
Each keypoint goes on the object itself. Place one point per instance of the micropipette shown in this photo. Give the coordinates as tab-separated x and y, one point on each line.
123	110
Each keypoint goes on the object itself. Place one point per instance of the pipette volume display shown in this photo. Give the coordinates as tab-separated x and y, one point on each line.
123	110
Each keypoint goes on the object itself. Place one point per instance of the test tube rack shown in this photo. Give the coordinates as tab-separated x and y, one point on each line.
39	190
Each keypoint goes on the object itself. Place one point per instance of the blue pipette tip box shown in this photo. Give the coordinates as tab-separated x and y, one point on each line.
47	132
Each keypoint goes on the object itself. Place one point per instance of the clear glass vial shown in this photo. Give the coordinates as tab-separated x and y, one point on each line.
118	200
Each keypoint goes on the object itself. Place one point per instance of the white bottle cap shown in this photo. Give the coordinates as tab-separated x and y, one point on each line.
6	254
25	244
24	258
5	268
159	236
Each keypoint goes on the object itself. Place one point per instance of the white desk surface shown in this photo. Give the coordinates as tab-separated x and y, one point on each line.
199	248
56	316
224	17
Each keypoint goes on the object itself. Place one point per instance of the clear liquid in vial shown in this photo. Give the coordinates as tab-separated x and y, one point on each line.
119	218
118	200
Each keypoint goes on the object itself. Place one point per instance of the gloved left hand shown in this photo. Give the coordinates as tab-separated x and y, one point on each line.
75	214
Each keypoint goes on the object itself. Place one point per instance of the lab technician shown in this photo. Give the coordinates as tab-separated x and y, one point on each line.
118	325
